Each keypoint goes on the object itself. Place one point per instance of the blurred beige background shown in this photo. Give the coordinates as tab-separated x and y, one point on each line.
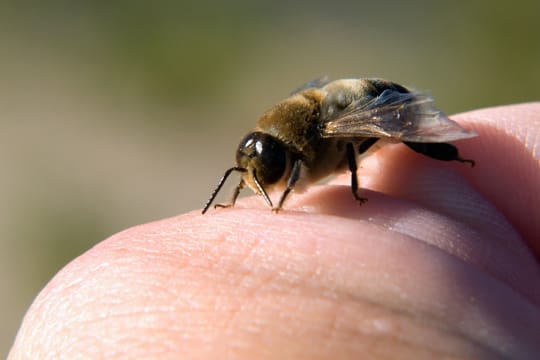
119	113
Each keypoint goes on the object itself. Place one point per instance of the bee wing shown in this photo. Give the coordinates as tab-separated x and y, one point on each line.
313	84
392	114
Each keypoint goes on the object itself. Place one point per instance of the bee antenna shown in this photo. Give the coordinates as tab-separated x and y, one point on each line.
220	184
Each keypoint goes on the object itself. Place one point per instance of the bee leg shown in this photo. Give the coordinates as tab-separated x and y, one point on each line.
351	157
234	196
261	189
295	175
218	188
439	151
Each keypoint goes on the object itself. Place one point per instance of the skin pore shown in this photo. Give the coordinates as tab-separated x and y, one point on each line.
441	262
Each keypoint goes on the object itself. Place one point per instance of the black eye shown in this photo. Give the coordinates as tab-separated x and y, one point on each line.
265	154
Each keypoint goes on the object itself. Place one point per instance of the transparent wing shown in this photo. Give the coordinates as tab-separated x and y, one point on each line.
392	114
313	84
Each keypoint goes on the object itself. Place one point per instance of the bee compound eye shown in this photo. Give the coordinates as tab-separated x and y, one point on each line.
265	154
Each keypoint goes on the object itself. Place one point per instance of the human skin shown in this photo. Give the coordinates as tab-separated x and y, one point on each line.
441	262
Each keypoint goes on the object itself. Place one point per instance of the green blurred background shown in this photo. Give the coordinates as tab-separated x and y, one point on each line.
115	113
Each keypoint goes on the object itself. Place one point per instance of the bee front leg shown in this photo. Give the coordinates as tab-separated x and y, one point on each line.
218	188
234	196
293	178
351	157
439	151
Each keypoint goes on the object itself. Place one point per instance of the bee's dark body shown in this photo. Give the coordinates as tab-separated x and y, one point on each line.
321	127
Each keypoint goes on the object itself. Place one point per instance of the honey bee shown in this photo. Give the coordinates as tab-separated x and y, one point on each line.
323	126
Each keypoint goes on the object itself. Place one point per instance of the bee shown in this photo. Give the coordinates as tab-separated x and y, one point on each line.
323	126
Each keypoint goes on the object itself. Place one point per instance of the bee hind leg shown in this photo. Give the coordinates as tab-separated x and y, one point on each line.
439	151
351	157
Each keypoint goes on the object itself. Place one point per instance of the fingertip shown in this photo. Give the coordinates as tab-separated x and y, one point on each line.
507	157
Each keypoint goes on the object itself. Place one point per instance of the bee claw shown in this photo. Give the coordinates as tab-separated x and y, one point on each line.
222	206
360	200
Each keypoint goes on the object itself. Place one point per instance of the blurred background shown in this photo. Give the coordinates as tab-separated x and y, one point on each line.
118	113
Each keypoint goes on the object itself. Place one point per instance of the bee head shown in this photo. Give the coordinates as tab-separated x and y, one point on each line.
265	158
